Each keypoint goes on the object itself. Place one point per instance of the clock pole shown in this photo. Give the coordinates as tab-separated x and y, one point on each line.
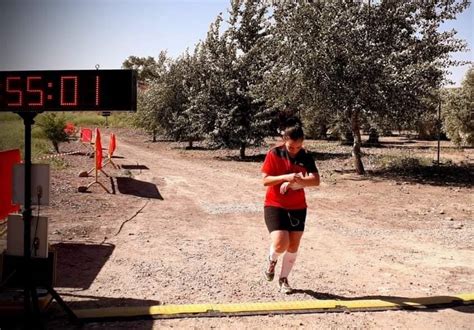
30	294
29	283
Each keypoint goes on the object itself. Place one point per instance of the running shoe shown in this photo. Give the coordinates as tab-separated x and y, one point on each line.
284	286
270	271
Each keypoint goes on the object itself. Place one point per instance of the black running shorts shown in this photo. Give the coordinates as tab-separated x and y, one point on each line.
277	218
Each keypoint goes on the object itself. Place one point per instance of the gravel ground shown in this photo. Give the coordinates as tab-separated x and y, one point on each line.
186	226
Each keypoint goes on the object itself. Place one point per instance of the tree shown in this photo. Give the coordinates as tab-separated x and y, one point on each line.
146	67
204	83
151	108
181	82
235	61
146	116
374	60
285	87
458	112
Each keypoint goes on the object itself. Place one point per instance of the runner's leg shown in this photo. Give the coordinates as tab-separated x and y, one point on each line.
290	256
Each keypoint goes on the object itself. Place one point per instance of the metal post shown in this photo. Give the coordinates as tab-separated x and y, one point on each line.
439	130
30	295
95	165
27	214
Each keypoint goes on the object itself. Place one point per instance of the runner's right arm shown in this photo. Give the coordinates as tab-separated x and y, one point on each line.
272	180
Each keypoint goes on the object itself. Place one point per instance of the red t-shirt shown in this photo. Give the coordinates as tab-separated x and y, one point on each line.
279	162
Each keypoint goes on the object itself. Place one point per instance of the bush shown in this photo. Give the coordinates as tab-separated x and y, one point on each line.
373	136
341	131
402	163
457	112
53	128
315	129
11	132
427	127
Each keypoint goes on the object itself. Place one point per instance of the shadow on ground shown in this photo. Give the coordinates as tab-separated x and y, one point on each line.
78	264
134	167
442	175
56	318
130	186
428	304
259	158
411	144
330	155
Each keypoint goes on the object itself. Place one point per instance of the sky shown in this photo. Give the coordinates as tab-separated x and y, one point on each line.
79	34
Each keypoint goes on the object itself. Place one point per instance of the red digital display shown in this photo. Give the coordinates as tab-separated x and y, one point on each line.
81	90
31	89
97	88
71	82
16	94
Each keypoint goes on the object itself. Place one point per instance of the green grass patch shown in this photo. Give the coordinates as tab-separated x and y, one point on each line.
9	116
400	163
57	163
94	119
12	136
121	119
86	119
11	132
424	171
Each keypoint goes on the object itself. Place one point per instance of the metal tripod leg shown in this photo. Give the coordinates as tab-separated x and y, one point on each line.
109	160
36	310
72	317
99	183
92	170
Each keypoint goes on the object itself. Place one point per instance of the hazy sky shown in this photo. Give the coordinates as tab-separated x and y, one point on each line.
78	34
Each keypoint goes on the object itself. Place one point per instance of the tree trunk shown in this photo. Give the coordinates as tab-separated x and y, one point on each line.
190	144
154	136
242	150
356	153
323	131
373	136
56	146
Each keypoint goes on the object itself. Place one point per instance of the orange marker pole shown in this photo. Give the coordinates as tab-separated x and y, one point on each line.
98	161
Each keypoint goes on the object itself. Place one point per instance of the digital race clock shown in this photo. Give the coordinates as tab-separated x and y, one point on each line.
78	90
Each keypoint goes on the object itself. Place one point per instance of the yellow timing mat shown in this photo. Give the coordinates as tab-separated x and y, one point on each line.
264	308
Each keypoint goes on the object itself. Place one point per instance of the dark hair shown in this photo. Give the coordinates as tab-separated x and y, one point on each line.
293	129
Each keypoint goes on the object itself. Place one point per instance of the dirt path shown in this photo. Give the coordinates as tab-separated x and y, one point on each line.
200	238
